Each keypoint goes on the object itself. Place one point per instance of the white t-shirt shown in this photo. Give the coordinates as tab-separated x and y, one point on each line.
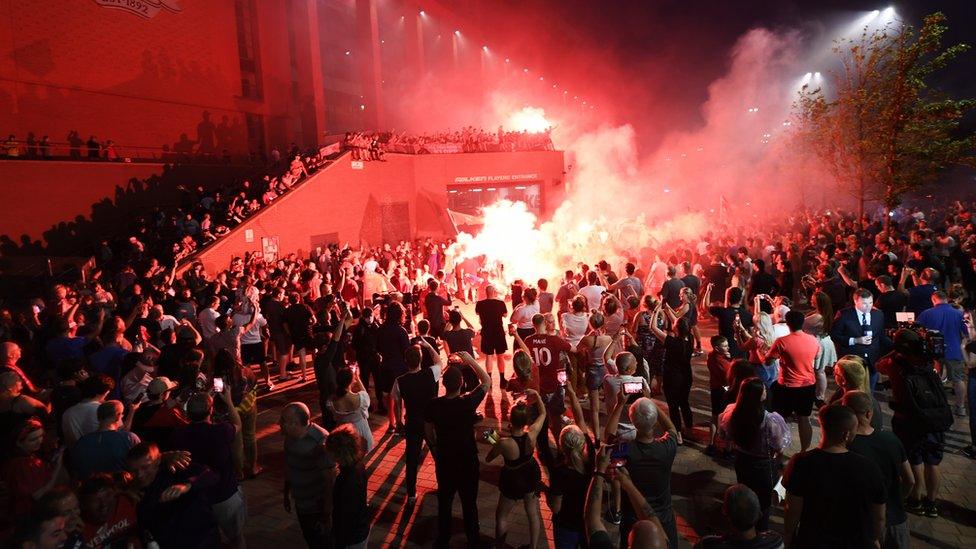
208	322
522	315
254	334
614	384
79	420
593	295
574	327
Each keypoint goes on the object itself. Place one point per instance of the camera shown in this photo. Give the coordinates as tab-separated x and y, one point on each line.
633	387
931	344
490	435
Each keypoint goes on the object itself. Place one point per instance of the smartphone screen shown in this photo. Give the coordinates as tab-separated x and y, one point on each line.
218	385
561	377
633	387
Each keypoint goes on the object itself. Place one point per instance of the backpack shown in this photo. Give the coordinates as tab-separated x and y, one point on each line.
926	404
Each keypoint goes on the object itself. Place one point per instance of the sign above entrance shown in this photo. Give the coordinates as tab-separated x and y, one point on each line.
497	178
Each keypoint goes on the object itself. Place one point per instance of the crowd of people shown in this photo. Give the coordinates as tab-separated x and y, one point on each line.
372	145
74	147
129	400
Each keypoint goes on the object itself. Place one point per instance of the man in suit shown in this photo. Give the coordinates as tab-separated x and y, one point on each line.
859	330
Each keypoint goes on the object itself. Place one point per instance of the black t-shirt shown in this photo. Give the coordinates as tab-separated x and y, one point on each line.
649	465
890	303
572	486
838	491
885	450
298	317
454	420
693	282
417	389
459	340
435	308
491	312
763	540
350	518
426	359
601	540
719	276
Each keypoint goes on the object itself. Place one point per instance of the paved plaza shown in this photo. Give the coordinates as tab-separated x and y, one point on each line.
697	483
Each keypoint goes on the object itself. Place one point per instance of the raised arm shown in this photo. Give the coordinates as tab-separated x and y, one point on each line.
613	419
658	332
521	344
540	420
594	499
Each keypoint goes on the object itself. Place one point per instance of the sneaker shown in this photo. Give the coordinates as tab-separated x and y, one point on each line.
286	377
960	411
818	403
929	509
969	451
270	387
613	517
913	505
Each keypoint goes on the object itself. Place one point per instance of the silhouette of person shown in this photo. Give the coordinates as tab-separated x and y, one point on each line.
206	135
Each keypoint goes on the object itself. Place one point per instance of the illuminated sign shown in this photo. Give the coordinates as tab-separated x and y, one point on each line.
497	178
147	9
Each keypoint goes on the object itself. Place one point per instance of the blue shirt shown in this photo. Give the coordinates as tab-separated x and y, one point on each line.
63	347
948	320
101	452
108	360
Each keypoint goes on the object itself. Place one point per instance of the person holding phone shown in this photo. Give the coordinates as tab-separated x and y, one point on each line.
546	351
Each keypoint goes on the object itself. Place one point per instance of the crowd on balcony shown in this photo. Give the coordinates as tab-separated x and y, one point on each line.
372	145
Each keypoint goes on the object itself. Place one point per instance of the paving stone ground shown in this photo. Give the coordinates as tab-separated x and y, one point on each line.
697	483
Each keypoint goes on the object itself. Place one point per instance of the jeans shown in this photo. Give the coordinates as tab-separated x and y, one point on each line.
248	427
415	444
760	475
873	380
314	531
461	479
245	448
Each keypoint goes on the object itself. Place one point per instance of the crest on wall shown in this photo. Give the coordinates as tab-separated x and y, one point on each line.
147	9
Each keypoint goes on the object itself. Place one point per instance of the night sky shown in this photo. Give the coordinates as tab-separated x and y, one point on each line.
656	58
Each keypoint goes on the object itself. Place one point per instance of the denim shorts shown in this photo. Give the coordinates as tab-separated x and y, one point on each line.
594	376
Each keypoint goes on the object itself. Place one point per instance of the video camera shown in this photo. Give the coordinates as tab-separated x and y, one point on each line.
931	343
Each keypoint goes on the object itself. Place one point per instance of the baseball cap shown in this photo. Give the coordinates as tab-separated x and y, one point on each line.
160	385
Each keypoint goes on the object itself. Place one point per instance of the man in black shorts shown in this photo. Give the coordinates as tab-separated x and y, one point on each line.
795	390
491	311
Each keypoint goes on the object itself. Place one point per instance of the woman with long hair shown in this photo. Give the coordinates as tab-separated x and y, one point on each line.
520	475
851	375
570	478
350	515
573	325
350	404
242	384
759	438
594	350
757	343
677	378
651	350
